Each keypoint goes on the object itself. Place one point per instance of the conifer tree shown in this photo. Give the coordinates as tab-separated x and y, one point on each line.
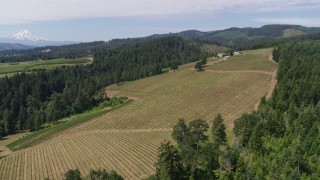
255	142
241	170
219	131
169	165
73	175
180	131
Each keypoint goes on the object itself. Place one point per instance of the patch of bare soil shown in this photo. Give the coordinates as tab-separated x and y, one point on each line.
111	94
270	58
90	61
214	62
4	151
272	84
273	80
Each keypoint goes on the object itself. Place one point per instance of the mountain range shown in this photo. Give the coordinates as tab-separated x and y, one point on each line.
232	37
15	46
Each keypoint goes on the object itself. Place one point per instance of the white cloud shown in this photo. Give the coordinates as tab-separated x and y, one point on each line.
28	11
299	21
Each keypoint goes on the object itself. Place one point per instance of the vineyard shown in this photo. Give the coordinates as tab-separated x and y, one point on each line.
132	154
251	60
126	139
43	135
183	94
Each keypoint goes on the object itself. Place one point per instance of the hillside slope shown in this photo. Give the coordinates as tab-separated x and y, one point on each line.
127	138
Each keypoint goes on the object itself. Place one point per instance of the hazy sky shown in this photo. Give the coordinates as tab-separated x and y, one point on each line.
88	20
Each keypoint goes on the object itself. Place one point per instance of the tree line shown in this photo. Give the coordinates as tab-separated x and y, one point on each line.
199	152
283	137
31	100
99	174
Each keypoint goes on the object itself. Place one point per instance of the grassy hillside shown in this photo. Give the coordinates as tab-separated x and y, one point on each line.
9	68
127	138
292	32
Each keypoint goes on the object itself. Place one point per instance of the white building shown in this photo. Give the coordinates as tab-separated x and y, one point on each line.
220	55
236	53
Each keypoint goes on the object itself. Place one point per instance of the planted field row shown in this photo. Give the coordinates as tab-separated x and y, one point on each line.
131	154
186	95
258	60
43	135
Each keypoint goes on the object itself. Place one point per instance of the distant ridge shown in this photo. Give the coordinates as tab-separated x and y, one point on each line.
14	46
26	37
239	36
233	37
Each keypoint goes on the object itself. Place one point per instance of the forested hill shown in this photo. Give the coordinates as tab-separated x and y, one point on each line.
15	46
28	101
147	58
282	139
265	36
69	51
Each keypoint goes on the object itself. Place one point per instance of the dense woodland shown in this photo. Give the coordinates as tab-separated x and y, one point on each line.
282	139
31	100
279	141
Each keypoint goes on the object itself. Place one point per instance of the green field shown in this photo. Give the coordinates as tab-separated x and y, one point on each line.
126	139
11	68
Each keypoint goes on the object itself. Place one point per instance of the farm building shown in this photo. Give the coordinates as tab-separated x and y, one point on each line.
237	53
220	55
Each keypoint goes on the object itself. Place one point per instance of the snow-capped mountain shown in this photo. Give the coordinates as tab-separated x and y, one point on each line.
25	35
28	38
